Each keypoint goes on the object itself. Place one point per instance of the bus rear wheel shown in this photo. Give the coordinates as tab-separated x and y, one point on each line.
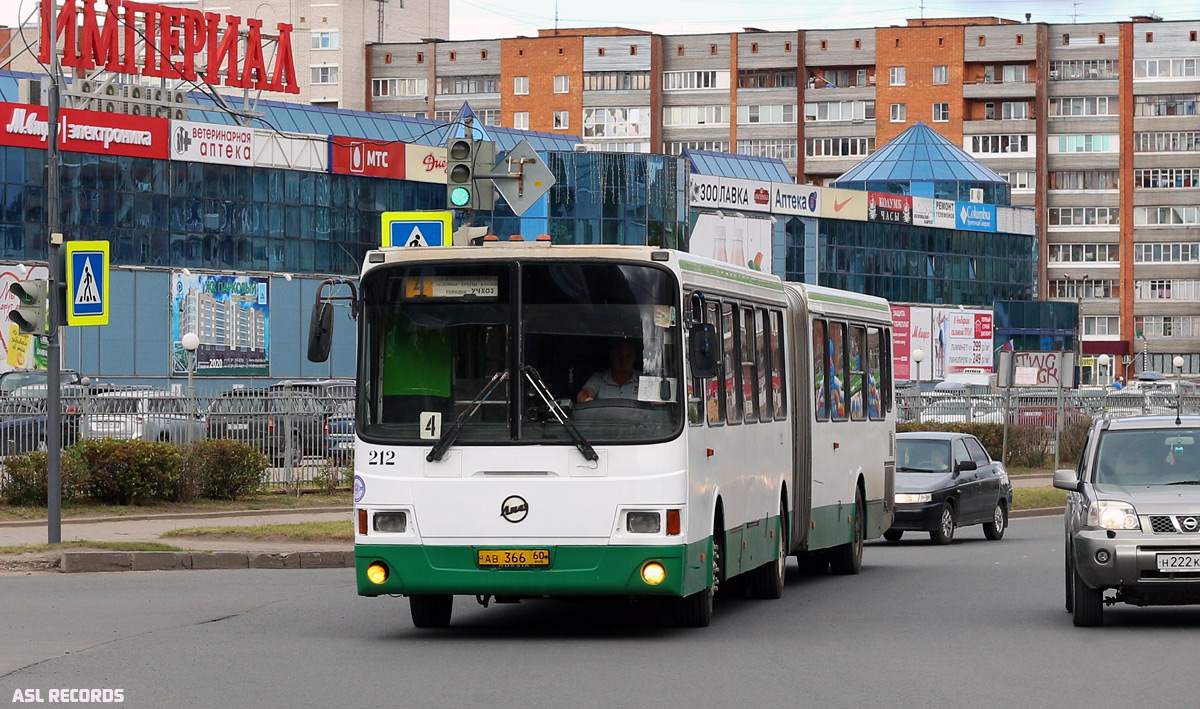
431	611
847	558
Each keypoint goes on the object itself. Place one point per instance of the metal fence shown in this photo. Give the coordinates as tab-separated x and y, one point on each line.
1037	407
306	430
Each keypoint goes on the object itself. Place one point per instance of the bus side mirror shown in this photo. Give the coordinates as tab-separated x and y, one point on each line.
703	350
320	332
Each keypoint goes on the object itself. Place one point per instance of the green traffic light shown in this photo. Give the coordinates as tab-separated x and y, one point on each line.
460	196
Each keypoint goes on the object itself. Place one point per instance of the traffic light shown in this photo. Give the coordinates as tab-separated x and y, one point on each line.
464	158
30	315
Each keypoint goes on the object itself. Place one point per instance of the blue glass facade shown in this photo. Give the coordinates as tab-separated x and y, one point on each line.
179	214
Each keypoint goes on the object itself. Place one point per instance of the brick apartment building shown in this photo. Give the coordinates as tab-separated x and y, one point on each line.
1094	125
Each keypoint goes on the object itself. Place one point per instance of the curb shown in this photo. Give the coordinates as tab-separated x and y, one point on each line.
1037	512
177	515
74	562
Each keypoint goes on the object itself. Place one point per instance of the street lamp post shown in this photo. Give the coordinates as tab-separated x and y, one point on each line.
190	342
918	356
1178	362
1105	377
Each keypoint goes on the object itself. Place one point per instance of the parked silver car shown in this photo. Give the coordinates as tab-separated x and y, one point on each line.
148	414
1133	516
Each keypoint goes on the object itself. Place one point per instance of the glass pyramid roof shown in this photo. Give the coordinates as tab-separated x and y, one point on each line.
750	167
919	154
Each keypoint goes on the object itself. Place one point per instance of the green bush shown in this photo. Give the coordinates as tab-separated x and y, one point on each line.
220	469
1029	446
26	482
128	472
1072	442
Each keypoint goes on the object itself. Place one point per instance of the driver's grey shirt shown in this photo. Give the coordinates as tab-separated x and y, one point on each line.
602	383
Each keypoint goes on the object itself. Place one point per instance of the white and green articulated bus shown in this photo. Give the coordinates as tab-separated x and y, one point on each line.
550	421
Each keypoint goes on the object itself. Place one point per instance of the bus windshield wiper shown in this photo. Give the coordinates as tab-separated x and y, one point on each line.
1184	482
539	386
439	448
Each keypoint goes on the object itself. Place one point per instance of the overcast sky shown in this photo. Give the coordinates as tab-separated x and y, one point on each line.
478	19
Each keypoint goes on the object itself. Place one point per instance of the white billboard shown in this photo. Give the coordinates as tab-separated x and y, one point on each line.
742	241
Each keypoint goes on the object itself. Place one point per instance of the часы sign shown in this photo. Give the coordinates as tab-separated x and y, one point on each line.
174	39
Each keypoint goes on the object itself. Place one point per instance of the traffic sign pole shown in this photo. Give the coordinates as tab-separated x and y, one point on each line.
54	304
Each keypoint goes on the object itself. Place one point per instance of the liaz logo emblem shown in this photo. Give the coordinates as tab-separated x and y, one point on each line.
514	508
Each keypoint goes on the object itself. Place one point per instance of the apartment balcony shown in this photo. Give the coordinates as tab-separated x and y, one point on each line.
1012	126
820	92
1010	90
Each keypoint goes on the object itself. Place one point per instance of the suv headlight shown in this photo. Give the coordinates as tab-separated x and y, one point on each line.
903	498
1109	514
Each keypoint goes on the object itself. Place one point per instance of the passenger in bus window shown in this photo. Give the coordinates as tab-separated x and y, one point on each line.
619	381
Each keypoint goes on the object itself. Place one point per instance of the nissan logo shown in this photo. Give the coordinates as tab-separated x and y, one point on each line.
1189	524
514	508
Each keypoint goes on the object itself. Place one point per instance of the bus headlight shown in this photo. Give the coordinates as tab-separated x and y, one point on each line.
653	573
395	522
909	498
377	573
643	522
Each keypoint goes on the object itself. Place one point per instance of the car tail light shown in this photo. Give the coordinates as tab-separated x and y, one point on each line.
326	427
270	425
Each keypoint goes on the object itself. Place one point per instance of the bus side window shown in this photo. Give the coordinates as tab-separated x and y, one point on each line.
763	368
820	348
778	385
858	372
714	404
749	360
875	396
885	360
731	370
837	371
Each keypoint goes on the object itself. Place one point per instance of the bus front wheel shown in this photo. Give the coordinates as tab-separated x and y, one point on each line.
431	611
696	610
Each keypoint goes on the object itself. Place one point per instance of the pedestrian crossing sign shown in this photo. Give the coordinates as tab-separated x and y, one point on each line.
87	282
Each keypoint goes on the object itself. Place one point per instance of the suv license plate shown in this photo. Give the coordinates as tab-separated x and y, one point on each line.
514	558
1179	562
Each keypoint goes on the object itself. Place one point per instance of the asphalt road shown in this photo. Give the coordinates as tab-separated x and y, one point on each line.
977	623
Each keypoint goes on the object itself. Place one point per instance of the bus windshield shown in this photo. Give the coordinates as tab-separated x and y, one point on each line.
604	338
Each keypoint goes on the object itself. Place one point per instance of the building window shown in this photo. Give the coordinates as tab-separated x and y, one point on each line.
324	75
483	54
399	87
1014	110
990	144
1100	38
520	85
1166	142
616	81
632	49
600	51
1101	325
1066	40
982	41
839	111
712	49
467	85
1085	253
1186	252
1166	178
787	46
1149	37
896	76
560	50
941	41
941	75
858	44
521	120
898	113
778	113
941	112
679	51
989	111
897	43
1164	68
677	147
453	56
677	80
1020	39
1166	105
824	45
562	120
1014	74
420	57
780	148
766	78
1022	180
754	47
520	52
1084	180
562	84
1166	216
613	122
1085	143
387	58
1082	106
695	115
1083	216
838	147
1083	69
325	40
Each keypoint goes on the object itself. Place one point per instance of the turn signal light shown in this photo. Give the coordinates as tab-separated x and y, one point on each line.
377	573
653	573
362	521
673	522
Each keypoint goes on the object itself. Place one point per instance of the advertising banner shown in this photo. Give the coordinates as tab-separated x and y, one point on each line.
17	346
920	337
230	315
963	343
843	204
737	240
370	158
901	349
26	126
975	216
891	208
944	213
729	193
922	211
801	200
212	142
425	163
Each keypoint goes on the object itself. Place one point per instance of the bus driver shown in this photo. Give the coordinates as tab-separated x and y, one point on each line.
619	381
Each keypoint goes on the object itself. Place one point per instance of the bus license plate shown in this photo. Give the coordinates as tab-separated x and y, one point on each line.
1179	562
514	558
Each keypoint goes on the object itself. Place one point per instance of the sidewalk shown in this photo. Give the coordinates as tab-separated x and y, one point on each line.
202	552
